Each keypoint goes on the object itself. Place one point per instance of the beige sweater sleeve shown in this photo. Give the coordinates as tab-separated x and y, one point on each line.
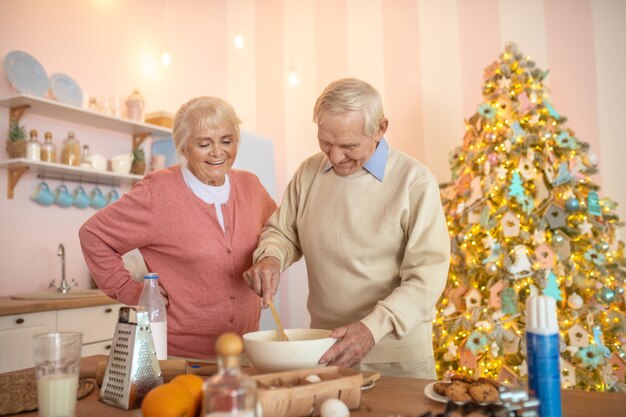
424	267
279	237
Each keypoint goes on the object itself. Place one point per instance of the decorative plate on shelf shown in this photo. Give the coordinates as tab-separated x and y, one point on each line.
66	90
26	73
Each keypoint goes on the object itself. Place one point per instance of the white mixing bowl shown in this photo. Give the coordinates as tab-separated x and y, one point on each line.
303	350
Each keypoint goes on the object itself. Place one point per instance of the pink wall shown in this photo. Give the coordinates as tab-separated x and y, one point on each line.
425	57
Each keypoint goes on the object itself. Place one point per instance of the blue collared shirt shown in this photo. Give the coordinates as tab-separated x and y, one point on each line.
376	164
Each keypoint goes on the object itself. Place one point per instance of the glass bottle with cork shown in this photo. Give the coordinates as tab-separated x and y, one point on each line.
230	392
48	149
70	154
33	147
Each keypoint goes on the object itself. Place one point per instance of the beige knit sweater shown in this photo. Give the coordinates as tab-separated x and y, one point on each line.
376	252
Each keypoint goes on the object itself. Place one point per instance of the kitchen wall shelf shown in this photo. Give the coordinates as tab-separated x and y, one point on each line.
48	170
20	103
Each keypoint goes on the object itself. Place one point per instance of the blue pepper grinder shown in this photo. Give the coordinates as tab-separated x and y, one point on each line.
542	346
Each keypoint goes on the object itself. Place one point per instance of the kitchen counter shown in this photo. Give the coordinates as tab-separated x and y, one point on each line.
390	396
10	306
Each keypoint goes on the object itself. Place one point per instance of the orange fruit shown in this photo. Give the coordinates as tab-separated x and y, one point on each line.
193	384
168	400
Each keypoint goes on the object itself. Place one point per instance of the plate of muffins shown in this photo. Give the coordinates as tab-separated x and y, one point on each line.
462	389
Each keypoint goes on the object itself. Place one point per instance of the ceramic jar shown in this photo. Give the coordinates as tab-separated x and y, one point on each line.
134	106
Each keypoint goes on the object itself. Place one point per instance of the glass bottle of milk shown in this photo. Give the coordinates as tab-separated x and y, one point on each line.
152	300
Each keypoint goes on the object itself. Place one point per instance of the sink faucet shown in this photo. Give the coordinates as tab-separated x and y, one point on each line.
64	287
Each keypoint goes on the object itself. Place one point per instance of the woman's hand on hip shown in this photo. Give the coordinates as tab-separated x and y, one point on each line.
263	278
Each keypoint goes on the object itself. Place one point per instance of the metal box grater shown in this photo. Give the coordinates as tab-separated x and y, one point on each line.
132	369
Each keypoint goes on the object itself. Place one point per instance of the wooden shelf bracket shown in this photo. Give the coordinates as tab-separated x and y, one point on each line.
14	176
17	112
138	139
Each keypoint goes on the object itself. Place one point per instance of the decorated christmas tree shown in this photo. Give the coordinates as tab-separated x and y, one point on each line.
525	217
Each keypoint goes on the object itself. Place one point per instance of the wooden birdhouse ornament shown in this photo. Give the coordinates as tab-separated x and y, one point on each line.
473	299
510	224
578	336
544	256
568	374
555	216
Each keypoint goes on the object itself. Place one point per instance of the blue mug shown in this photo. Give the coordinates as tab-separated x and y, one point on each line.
113	196
81	199
63	197
98	200
43	195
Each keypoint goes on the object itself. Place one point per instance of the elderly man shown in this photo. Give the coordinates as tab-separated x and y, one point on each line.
369	222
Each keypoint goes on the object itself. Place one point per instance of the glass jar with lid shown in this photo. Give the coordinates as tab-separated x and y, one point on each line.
70	155
33	147
48	149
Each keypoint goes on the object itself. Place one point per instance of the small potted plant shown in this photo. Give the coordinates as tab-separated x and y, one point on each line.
139	162
16	143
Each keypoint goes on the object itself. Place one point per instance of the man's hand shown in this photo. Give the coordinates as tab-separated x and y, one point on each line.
354	341
263	278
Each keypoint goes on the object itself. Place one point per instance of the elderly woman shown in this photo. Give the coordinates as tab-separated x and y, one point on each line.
196	224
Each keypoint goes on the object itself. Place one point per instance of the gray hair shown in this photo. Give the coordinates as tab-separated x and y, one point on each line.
202	113
351	95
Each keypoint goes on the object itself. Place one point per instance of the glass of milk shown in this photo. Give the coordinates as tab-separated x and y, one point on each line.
57	362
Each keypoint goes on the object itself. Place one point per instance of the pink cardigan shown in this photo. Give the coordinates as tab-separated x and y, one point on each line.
179	236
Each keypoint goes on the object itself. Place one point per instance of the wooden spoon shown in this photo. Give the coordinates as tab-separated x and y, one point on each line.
281	330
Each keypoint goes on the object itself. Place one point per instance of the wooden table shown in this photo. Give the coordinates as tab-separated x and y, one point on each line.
390	397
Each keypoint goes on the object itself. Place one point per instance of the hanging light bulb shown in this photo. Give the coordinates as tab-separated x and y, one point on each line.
166	58
238	41
293	77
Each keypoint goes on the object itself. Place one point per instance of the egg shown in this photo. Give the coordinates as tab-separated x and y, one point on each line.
333	407
312	379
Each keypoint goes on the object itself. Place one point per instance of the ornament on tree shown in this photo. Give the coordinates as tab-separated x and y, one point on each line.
541	191
510	225
552	287
575	301
545	256
593	204
618	367
563	176
508	298
568	374
476	192
494	294
510	344
491	268
605	295
526	168
548	170
564	140
578	336
520	266
599	338
516	189
572	205
555	216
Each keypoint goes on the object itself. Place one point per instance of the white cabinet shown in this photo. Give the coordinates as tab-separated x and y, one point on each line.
20	103
16	338
97	324
16	332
